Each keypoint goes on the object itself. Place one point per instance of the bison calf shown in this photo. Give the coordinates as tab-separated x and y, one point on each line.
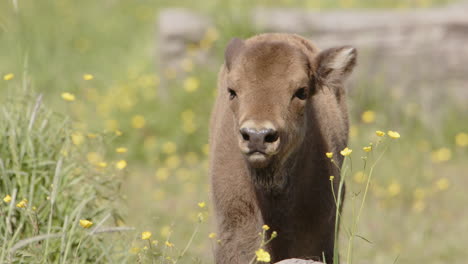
281	106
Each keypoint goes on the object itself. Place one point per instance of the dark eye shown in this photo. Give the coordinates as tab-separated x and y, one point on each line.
301	93
232	94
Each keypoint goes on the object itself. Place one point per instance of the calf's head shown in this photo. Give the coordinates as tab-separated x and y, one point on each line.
269	87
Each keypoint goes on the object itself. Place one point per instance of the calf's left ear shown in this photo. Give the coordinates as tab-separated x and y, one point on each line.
334	65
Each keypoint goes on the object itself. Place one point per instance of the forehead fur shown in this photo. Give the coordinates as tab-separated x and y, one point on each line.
266	59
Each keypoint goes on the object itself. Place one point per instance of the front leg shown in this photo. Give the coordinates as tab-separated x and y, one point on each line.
238	233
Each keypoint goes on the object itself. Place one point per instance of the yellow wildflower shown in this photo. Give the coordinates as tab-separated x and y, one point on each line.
88	77
85	223
393	134
162	174
200	217
166	231
94	157
138	121
68	97
367	149
191	84
191	158
121	164
380	133
172	162
169	147
262	255
359	177
146	235
77	138
368	116
394	189
332	178
201	204
353	131
102	164
441	155
206	149
134	250
329	155
419	206
265	227
212	235
92	135
346	152
274	234
121	150
118	133
7	198
22	204
169	244
8	76
461	139
419	193
442	184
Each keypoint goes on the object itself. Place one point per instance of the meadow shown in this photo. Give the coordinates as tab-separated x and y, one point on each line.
96	167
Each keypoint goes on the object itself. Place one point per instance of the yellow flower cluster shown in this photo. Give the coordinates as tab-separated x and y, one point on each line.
7	198
146	235
262	255
22	204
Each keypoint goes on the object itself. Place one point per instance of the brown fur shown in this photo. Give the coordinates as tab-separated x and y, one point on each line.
292	193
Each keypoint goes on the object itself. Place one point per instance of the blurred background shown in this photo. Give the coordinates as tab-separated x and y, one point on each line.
143	73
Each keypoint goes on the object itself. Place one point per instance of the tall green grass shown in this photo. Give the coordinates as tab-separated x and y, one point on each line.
47	188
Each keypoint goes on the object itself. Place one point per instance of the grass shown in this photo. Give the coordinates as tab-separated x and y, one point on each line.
47	189
412	213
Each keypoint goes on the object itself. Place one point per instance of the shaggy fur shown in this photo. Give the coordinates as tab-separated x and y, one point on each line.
292	193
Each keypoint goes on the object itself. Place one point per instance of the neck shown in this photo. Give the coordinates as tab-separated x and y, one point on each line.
274	179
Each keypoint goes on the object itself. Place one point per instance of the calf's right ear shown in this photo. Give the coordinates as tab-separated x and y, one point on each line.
335	65
232	50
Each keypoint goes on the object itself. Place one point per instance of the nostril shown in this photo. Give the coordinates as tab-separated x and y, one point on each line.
272	136
245	134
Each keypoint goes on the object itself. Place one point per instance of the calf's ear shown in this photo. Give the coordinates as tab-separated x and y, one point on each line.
232	50
334	65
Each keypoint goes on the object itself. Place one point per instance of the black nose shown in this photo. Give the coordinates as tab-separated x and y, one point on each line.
258	139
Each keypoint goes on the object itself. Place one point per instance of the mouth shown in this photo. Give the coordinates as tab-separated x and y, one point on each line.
257	159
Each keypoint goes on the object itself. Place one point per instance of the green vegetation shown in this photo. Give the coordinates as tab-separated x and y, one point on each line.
120	156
